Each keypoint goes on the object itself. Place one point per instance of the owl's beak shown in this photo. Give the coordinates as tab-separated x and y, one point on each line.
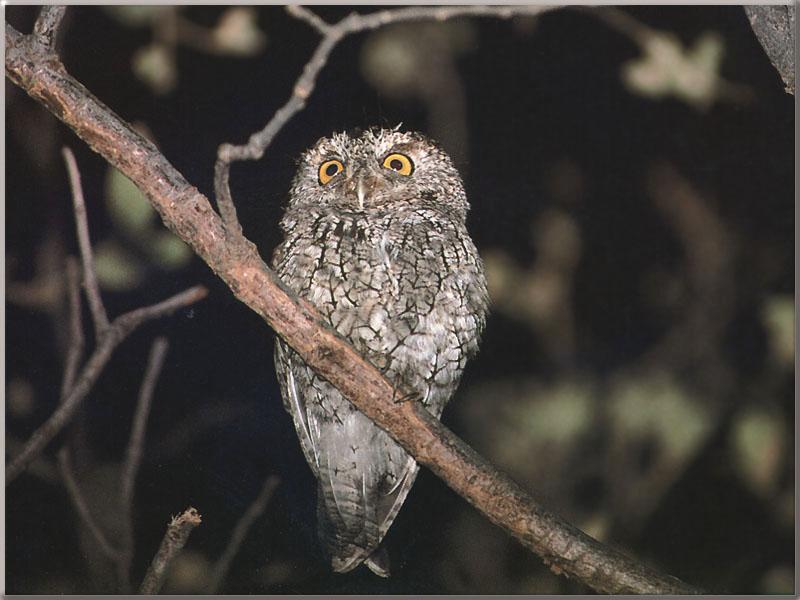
361	186
361	191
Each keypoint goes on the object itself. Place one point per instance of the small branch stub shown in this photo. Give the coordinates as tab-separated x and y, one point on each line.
173	542
45	30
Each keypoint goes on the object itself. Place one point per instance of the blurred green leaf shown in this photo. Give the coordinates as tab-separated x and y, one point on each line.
132	214
128	208
777	314
403	60
134	15
549	417
558	414
390	62
760	441
656	405
20	398
778	580
237	32
155	66
502	274
189	574
168	251
597	525
117	269
669	69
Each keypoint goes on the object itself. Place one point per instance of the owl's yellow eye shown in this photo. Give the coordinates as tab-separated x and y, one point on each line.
329	169
399	163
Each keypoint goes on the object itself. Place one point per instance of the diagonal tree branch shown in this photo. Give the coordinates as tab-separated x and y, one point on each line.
188	213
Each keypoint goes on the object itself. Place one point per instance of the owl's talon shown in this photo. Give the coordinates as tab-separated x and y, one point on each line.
407	397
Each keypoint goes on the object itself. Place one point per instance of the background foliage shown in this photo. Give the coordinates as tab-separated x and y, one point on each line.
632	198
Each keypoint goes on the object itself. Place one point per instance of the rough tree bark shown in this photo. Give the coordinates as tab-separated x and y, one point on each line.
774	28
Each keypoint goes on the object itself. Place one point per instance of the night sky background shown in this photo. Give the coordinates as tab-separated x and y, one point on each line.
552	146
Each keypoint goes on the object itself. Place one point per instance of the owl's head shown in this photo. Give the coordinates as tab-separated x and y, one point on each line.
377	171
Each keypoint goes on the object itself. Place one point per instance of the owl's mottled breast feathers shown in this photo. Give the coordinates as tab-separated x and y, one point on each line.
386	258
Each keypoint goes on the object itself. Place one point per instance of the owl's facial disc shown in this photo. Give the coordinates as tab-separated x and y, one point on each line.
365	179
378	170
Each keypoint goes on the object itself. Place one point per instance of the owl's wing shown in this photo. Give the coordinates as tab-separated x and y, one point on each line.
364	475
294	402
364	478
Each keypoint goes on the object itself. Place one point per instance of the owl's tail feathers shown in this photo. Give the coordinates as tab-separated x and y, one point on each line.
378	562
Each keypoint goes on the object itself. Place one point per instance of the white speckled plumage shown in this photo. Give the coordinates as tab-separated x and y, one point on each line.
387	260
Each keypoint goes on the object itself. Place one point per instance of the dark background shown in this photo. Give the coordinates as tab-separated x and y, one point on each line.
572	178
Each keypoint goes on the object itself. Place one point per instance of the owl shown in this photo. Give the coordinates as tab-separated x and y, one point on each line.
375	238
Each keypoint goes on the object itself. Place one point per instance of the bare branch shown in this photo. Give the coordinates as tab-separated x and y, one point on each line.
173	542
189	214
41	467
87	257
304	86
133	454
117	332
76	343
75	494
251	515
303	14
47	25
133	458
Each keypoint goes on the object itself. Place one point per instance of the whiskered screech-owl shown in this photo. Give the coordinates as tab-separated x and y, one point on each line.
375	238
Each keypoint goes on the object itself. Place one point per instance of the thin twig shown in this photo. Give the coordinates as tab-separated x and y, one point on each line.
133	454
305	84
251	515
76	341
42	467
87	257
174	540
620	21
75	494
45	30
117	332
133	458
303	14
